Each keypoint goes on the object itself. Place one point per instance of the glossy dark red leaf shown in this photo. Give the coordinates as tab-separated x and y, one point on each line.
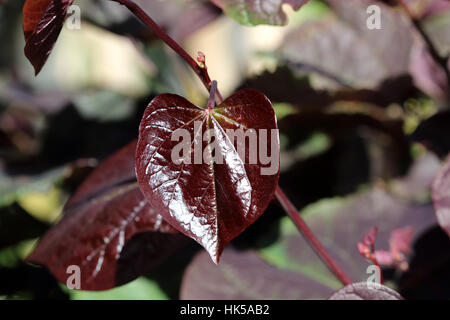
42	23
208	201
106	212
365	291
32	11
441	196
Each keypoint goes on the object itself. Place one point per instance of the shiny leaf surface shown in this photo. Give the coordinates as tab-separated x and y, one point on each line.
33	10
217	196
105	213
42	23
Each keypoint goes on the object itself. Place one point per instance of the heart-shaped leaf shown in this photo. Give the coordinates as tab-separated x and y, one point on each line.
42	23
216	191
254	12
441	196
365	291
107	210
325	46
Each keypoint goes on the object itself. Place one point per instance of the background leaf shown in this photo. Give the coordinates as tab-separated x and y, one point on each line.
244	275
253	12
441	196
365	291
327	46
340	224
103	215
41	39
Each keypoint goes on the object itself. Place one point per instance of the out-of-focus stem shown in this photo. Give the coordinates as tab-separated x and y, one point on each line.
310	237
201	71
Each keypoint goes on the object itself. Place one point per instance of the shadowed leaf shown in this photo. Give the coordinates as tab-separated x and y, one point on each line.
340	223
17	225
428	276
283	85
244	275
42	23
106	212
433	133
328	46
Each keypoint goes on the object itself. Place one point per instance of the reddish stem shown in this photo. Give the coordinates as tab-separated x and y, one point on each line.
310	237
375	261
201	72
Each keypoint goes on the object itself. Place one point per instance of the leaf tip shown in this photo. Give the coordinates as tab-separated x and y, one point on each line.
215	255
37	70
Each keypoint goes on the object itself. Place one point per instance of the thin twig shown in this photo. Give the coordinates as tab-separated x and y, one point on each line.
310	237
201	71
